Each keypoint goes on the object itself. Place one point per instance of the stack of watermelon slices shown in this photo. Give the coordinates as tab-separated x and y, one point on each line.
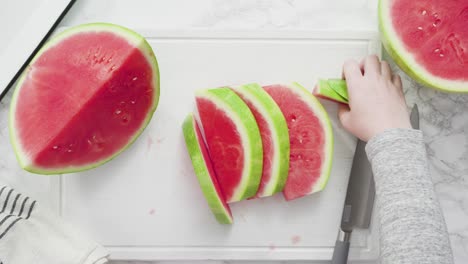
252	141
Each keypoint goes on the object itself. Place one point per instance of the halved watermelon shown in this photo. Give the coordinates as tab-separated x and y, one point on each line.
275	137
311	139
428	40
83	99
204	171
332	89
233	140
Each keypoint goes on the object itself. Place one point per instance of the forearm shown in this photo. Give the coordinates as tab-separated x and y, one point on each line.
412	226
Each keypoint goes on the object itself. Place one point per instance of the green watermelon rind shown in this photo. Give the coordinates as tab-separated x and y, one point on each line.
136	40
323	89
405	60
339	86
279	133
222	215
324	119
236	109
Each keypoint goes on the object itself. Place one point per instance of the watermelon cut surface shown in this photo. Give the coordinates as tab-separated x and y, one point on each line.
83	99
275	138
234	141
311	139
204	171
428	40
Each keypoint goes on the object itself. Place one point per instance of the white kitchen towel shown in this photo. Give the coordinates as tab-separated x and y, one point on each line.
32	234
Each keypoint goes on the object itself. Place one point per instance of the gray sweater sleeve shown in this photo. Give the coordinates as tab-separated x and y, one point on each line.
412	226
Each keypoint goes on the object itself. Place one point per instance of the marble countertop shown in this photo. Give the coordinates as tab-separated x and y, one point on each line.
444	118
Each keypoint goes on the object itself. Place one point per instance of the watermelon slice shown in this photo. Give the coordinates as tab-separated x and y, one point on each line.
337	85
275	138
233	140
204	171
428	39
332	89
83	99
311	139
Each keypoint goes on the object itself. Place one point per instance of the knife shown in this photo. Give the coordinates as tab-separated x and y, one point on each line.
357	210
414	117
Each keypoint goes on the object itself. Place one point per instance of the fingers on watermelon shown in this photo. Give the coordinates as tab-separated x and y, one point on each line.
274	135
234	142
204	171
311	139
333	90
84	98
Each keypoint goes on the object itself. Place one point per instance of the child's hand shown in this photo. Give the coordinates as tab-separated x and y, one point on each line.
376	100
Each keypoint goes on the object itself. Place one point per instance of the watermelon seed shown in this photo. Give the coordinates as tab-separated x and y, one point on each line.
118	111
69	151
441	54
132	102
420	28
293	118
55	147
135	78
437	50
424	12
436	22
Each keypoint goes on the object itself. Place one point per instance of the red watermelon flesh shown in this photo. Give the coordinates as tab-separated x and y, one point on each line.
274	135
204	171
234	141
311	139
83	99
267	144
209	166
223	142
436	33
268	150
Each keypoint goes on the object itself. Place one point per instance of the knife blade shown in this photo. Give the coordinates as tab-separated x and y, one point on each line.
357	210
414	117
359	201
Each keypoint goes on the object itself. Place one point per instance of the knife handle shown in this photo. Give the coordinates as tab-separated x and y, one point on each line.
340	254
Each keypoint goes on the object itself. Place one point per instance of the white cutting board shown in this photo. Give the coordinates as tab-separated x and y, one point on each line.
146	204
